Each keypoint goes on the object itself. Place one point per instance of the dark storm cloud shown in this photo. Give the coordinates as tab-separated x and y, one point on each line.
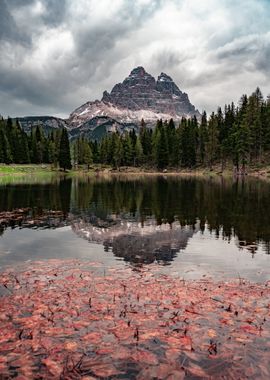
263	60
86	48
8	27
55	12
168	59
55	55
19	3
55	9
99	38
10	30
252	51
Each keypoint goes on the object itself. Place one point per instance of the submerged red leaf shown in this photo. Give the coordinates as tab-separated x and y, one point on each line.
62	319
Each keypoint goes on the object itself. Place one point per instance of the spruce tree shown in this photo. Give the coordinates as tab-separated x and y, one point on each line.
64	152
203	138
2	146
146	141
138	152
171	135
212	144
241	135
118	155
161	147
188	137
266	124
88	156
128	151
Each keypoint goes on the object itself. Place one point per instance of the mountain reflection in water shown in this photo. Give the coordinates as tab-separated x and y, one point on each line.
135	242
143	219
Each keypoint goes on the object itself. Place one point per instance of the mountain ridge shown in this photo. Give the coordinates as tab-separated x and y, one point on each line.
139	96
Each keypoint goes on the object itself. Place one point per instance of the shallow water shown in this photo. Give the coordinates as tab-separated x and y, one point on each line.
190	227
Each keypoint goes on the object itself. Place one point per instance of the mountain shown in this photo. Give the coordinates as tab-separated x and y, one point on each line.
139	96
96	127
140	91
48	123
127	239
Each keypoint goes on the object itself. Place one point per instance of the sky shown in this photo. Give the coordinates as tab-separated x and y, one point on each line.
57	54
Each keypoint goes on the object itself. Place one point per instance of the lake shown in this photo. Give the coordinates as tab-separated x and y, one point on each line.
190	227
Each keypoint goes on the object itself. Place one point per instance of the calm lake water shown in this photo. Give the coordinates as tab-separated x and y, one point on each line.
190	227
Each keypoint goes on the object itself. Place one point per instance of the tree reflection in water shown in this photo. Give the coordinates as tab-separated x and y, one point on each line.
143	219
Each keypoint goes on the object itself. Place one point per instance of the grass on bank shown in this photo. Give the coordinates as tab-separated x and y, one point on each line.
26	174
42	170
24	169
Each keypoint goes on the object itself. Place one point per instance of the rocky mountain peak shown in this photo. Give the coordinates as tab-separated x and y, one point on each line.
133	91
138	71
165	84
140	91
139	96
164	78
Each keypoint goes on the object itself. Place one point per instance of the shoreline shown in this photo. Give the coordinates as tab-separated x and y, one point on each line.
42	170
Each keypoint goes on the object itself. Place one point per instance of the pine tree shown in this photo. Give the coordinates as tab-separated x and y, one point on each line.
171	135
88	155
188	134
243	143
254	123
104	150
161	147
203	138
128	151
146	141
118	156
36	145
138	152
266	124
95	150
6	150
241	136
212	144
225	134
51	152
2	146
64	152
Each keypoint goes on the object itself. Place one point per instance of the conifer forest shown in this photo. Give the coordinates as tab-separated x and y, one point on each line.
237	134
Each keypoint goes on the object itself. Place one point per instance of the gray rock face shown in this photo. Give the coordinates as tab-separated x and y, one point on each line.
140	91
48	123
139	96
135	93
97	127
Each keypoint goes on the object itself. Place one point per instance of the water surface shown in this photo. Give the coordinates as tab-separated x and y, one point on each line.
190	227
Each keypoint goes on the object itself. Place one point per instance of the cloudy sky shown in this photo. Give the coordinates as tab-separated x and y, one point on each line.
57	54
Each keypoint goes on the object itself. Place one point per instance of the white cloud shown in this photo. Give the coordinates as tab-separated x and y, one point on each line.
214	50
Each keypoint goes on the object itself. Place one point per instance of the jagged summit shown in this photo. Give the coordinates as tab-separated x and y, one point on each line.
165	84
139	96
164	78
140	91
138	70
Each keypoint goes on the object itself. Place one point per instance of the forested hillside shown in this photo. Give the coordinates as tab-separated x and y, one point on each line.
239	135
18	147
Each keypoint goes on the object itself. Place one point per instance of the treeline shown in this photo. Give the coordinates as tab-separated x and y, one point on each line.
19	148
237	134
240	135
